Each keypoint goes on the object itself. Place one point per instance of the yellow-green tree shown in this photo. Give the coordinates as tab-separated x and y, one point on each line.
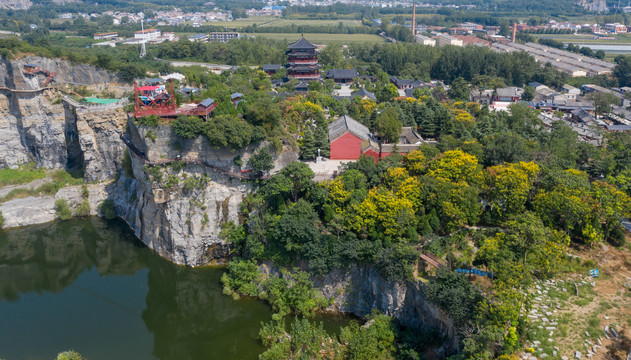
508	187
415	162
456	166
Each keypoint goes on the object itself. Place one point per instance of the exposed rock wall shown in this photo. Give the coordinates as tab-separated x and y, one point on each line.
181	224
39	127
361	289
41	209
98	134
67	75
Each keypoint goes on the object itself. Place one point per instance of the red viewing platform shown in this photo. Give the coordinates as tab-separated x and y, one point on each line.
160	101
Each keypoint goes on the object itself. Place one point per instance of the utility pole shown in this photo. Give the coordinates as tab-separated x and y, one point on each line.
143	49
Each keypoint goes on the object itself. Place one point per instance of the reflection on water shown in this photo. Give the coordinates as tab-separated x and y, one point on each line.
88	285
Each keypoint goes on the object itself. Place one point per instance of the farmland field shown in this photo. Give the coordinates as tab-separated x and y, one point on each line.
243	22
324	38
298	22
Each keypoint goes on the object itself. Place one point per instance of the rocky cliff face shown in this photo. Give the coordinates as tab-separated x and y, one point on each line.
180	216
67	75
38	126
361	289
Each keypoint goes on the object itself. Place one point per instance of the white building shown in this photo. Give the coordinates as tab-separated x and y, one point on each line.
425	40
222	36
147	35
105	36
446	39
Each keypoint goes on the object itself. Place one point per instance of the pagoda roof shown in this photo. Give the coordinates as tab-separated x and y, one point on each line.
305	68
301	44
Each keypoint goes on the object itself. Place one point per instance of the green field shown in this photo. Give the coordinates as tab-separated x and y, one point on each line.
324	38
243	22
621	39
298	22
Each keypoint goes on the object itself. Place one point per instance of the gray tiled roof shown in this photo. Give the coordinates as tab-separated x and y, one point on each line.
409	136
508	92
342	73
206	102
269	67
346	124
363	92
302	43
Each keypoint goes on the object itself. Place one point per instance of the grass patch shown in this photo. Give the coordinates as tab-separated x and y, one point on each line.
324	22
22	175
61	179
324	38
593	327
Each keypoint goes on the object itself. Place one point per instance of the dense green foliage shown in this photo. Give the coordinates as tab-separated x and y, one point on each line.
62	209
107	209
288	293
377	339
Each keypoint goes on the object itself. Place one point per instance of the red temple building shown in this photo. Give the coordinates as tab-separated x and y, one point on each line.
302	58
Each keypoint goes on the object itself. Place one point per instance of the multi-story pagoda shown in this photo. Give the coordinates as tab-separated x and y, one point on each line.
302	58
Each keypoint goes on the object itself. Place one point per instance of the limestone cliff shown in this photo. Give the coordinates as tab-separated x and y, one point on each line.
361	289
38	126
180	214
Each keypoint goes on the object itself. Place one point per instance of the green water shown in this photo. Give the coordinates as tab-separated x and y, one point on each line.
89	285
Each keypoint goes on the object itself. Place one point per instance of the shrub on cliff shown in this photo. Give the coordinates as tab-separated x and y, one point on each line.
62	210
107	209
188	127
1	220
69	355
262	160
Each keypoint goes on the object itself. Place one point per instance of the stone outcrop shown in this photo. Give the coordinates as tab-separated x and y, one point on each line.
183	223
69	76
360	289
41	209
38	126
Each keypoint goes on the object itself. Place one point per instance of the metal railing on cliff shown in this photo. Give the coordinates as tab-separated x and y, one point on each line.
145	160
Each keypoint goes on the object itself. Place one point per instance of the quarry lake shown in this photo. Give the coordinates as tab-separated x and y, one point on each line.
90	286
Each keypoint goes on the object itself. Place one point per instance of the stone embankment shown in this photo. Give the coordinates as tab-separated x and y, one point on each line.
33	210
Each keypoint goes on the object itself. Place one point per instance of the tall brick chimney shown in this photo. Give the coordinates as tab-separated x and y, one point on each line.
413	21
514	31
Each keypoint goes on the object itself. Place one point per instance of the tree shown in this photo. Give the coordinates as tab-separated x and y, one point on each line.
459	90
509	186
262	160
529	93
456	166
308	148
387	92
388	125
453	293
604	101
188	127
298	226
622	71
